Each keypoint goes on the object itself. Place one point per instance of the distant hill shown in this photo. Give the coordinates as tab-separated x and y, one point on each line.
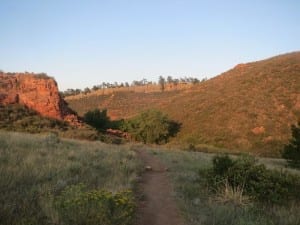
248	108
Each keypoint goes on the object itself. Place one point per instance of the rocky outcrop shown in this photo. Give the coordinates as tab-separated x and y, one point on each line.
36	91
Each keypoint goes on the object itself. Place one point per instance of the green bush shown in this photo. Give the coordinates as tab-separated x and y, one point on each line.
110	139
97	119
20	118
151	126
291	151
255	179
75	205
222	163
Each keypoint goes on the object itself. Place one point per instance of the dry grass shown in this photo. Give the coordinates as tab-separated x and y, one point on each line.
232	195
35	169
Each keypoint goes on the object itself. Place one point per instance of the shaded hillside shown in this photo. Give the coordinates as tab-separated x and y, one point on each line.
15	117
248	108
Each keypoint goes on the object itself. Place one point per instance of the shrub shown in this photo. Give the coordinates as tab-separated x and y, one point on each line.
257	182
97	119
291	151
43	76
151	126
20	118
222	163
75	205
110	139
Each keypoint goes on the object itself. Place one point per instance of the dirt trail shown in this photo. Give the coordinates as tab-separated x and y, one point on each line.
157	206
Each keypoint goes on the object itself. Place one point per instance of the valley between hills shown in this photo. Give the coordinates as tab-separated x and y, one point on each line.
188	153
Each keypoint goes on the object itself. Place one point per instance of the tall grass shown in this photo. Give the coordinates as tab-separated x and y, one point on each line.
227	206
35	170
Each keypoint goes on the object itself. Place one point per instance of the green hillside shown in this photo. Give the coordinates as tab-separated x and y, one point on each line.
248	108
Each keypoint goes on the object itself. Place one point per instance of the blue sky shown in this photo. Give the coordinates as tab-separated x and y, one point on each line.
85	42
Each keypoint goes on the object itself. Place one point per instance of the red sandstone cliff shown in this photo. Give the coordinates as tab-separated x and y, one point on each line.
38	92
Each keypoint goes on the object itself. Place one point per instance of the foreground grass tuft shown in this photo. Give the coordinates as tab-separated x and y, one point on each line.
232	195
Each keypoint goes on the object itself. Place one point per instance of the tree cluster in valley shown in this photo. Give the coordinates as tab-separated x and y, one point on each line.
151	126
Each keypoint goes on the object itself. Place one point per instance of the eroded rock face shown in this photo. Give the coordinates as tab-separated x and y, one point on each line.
37	92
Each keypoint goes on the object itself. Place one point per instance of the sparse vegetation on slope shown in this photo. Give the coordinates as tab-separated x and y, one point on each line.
22	119
47	180
248	108
122	105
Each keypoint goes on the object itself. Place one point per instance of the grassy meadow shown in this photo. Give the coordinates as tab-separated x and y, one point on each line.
227	206
47	180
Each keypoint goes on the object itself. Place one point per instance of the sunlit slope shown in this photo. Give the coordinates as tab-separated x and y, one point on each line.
248	108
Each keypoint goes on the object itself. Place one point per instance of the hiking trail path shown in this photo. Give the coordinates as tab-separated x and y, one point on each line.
157	205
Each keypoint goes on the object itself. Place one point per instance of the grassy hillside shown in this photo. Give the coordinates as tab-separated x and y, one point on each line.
47	180
248	108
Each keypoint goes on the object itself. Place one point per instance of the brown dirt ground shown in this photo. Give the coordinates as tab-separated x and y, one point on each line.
157	206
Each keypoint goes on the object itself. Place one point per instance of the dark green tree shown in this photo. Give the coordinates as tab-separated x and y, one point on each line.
195	81
86	90
169	79
291	151
97	119
162	83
